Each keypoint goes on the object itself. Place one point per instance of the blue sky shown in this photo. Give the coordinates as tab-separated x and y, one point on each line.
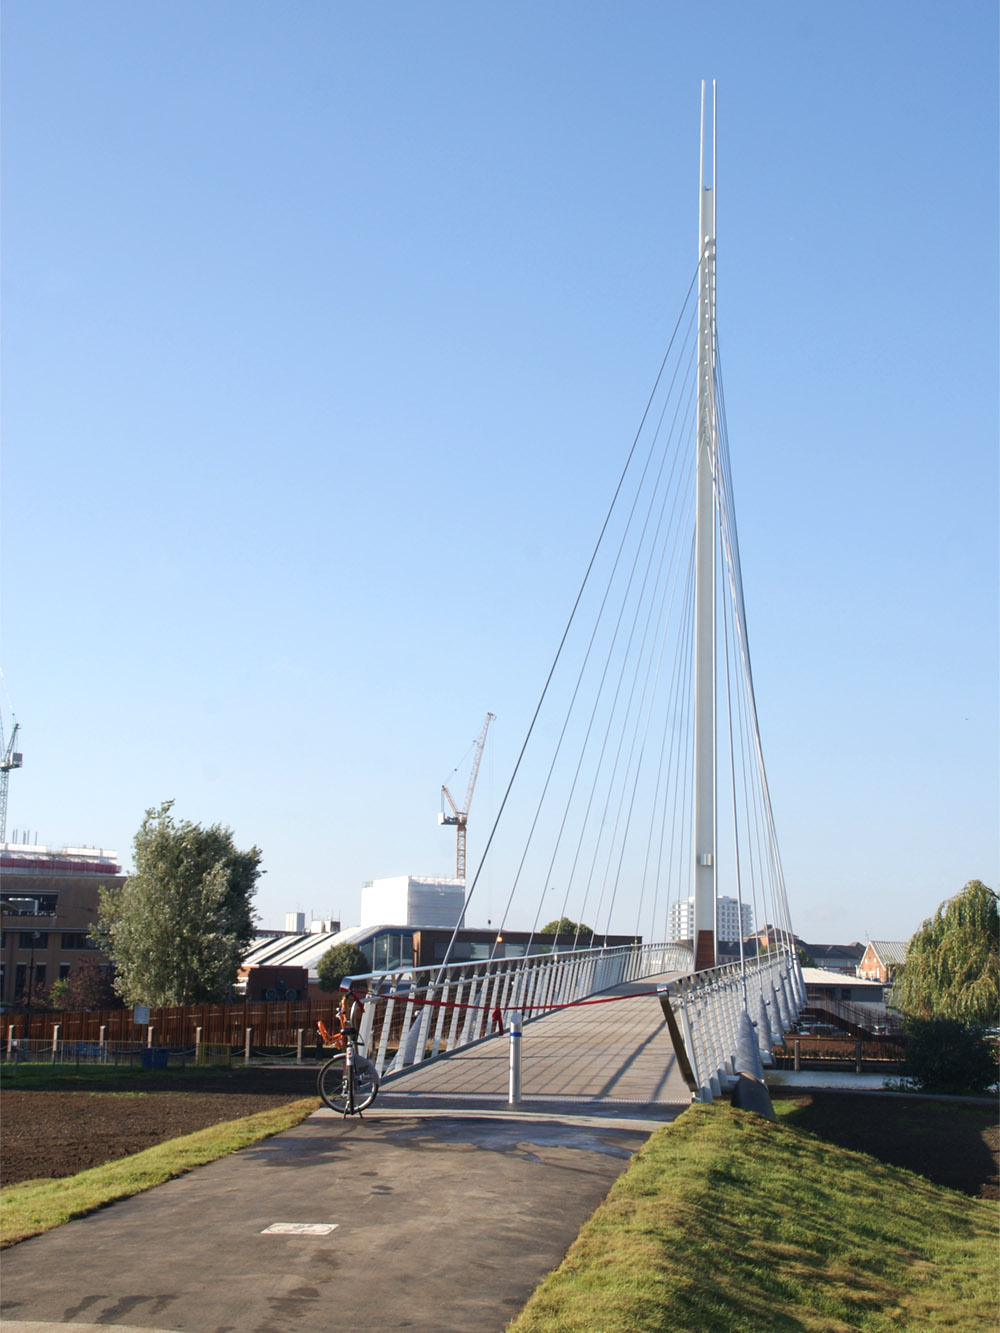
326	329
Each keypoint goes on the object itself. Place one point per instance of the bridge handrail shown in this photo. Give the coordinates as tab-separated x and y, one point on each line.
703	1011
415	1014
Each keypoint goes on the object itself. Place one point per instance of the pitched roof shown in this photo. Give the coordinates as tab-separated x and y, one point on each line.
890	951
821	976
818	951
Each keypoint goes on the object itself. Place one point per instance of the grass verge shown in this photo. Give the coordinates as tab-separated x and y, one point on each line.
36	1206
726	1222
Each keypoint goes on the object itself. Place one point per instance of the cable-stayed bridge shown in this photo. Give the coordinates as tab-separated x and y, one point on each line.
639	799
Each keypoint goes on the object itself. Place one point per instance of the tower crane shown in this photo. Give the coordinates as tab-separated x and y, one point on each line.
460	818
9	759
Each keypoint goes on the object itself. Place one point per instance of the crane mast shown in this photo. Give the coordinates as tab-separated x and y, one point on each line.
9	759
460	818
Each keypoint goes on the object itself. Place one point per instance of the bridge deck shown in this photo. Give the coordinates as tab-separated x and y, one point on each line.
595	1054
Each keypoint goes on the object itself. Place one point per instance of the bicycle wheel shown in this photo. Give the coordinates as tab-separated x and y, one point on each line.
333	1086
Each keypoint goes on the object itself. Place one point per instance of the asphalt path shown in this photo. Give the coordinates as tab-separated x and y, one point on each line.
438	1211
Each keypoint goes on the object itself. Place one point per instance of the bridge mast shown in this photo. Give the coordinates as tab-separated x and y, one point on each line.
705	885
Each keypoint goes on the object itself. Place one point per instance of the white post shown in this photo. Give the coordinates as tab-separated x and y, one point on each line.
149	1036
704	690
300	1039
55	1040
514	1089
197	1045
246	1045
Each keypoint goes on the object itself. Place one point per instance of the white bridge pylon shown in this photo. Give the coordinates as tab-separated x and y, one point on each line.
640	792
707	441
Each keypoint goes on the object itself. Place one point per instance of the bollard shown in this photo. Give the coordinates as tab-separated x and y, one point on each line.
197	1046
11	1039
514	1090
149	1036
55	1041
857	1056
797	1052
299	1040
246	1046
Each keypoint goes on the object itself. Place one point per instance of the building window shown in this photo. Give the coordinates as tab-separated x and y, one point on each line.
465	951
64	970
40	970
39	904
34	939
390	951
77	939
20	979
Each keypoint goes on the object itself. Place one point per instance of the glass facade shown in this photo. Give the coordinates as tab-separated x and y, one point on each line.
389	951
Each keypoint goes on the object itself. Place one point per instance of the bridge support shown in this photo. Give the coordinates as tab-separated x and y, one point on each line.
705	887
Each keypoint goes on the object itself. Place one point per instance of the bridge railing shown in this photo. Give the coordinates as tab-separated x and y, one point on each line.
867	1017
417	1014
703	1011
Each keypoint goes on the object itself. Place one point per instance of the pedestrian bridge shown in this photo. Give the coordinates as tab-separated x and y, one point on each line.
650	797
629	1024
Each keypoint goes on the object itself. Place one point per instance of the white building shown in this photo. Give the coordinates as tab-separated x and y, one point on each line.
734	920
407	901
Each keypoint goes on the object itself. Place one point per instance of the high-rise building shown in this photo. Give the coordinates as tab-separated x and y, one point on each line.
734	919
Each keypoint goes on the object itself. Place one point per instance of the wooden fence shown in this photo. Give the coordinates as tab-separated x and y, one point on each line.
274	1024
843	1050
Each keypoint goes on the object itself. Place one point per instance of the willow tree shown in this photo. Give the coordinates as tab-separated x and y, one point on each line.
952	967
178	927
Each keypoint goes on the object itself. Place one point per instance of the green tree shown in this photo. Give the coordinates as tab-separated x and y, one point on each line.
90	985
952	967
339	961
564	926
177	928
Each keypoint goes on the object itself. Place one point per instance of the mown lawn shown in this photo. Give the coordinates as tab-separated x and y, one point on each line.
726	1222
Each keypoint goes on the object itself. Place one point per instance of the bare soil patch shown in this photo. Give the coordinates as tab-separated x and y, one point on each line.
48	1132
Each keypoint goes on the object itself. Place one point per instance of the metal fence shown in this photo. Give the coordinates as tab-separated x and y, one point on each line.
704	1010
21	1053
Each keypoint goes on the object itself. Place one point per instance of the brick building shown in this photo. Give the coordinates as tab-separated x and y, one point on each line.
48	898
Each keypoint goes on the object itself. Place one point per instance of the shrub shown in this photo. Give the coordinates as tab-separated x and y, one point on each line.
943	1055
339	961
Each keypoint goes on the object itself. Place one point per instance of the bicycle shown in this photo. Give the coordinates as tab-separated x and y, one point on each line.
348	1083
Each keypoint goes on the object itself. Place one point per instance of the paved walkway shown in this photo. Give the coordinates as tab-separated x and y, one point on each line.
438	1212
